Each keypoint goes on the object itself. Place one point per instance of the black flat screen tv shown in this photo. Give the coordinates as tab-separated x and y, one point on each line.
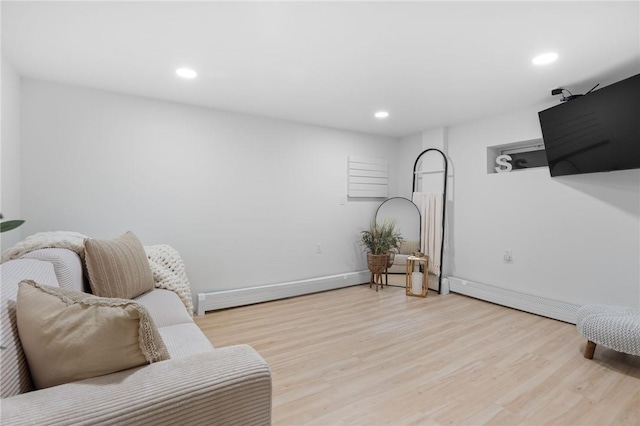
597	132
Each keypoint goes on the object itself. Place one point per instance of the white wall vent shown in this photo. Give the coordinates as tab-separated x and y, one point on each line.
368	177
550	308
247	296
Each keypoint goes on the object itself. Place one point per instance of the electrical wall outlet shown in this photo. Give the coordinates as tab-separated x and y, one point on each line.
508	256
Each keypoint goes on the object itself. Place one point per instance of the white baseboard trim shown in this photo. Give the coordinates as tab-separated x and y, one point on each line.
538	305
247	296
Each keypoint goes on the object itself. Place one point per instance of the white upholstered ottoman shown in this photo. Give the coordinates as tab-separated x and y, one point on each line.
616	327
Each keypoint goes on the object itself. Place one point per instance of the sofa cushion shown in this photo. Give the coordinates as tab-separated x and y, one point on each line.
69	335
409	247
184	340
165	307
15	372
118	268
67	265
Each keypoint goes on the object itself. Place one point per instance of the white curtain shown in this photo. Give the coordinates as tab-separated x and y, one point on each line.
430	205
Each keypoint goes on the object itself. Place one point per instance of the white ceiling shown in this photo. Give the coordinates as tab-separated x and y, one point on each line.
430	64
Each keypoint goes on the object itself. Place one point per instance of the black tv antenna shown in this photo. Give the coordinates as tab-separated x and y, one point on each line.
560	91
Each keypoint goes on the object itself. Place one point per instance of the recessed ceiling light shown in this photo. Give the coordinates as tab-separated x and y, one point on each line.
186	73
381	114
545	58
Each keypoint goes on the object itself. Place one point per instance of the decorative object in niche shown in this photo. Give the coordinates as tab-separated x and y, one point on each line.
503	160
516	156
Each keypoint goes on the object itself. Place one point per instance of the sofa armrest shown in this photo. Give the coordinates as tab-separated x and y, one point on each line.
229	386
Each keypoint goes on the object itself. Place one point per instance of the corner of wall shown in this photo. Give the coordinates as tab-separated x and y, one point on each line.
10	150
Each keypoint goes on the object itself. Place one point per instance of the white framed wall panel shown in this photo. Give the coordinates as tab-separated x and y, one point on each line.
368	177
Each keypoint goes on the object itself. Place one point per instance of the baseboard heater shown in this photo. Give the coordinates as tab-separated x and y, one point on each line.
247	296
538	305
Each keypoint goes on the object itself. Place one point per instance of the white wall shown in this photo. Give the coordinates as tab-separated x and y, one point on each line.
10	153
409	148
574	238
245	200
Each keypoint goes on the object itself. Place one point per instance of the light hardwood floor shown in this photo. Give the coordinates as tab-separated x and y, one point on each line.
354	356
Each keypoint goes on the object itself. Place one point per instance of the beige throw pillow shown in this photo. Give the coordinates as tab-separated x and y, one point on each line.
69	335
409	247
118	268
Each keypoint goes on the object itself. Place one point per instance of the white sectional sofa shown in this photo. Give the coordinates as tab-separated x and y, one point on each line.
197	385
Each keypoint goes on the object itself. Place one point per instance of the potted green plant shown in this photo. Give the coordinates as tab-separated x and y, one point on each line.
10	224
379	240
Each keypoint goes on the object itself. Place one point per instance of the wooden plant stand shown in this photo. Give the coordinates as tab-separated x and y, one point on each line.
377	265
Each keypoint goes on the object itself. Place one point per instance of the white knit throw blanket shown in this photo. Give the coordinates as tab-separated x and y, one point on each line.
169	272
73	241
166	264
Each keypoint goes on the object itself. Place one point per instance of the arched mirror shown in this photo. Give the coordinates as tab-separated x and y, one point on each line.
406	216
430	174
